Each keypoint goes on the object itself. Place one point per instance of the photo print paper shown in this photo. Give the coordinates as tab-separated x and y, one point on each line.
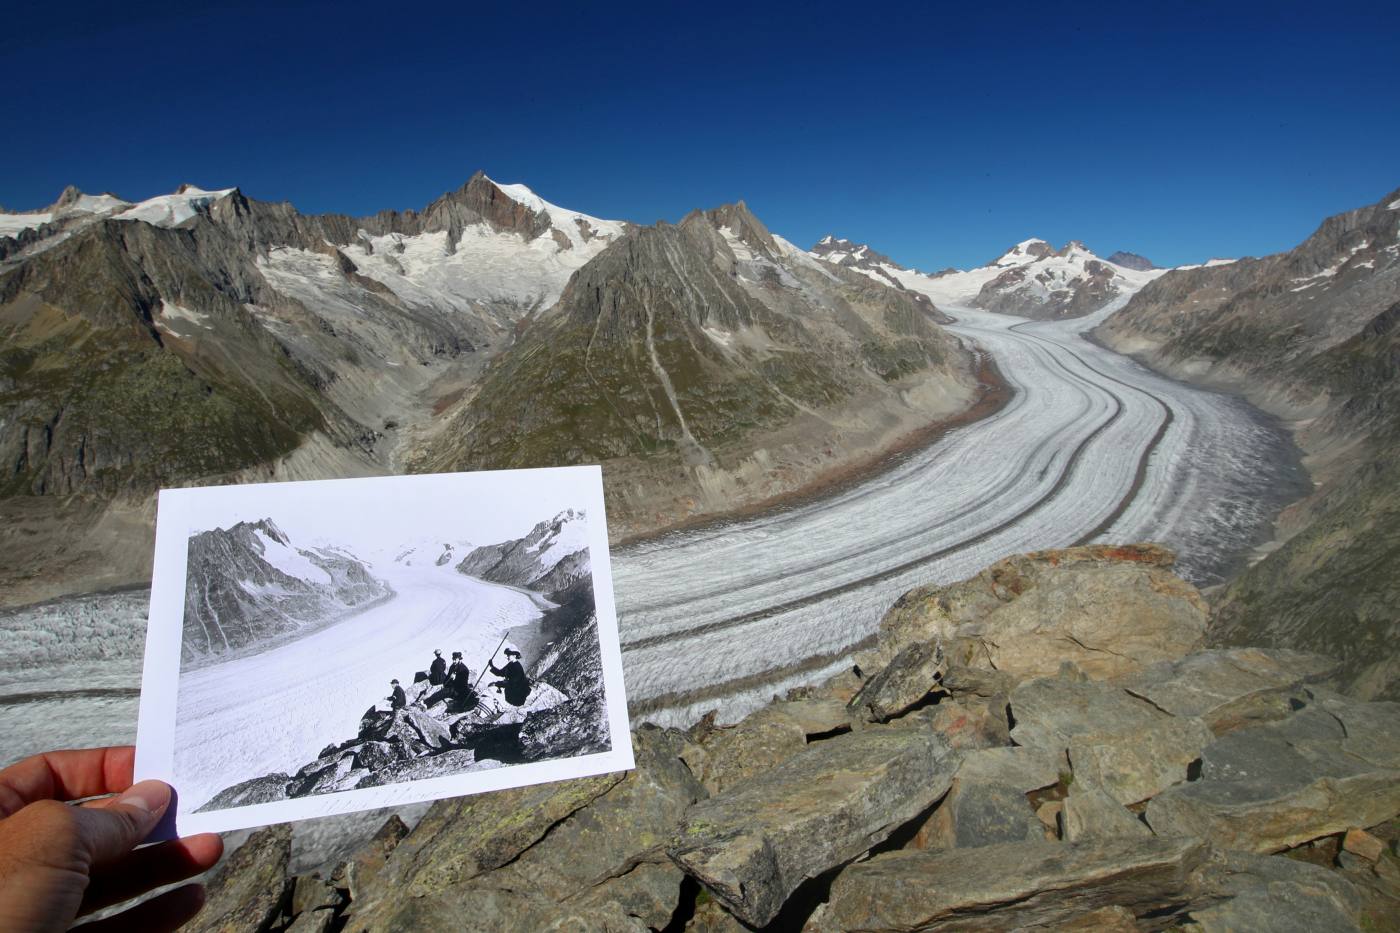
325	647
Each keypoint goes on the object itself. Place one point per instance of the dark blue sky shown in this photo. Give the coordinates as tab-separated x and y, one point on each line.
940	135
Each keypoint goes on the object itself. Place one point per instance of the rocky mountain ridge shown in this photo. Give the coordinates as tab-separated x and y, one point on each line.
207	336
1311	335
1031	279
673	352
930	787
248	585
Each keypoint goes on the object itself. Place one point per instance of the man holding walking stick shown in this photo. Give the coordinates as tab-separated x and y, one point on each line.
513	682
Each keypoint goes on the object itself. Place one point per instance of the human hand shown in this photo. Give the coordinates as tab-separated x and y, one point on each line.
59	861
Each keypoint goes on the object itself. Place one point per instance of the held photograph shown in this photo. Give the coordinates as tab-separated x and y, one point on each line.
331	646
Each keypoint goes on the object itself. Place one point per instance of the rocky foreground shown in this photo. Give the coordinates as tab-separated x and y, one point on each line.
1047	745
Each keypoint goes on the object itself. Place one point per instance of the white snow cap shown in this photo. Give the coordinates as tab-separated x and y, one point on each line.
168	210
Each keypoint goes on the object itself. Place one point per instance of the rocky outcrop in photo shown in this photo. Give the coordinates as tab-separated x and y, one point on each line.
438	731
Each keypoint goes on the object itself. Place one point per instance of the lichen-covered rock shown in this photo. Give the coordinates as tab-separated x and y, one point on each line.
251	890
592	845
1025	769
1133	766
1009	886
1052	712
1110	610
1231	688
754	845
722	757
1238	891
368	860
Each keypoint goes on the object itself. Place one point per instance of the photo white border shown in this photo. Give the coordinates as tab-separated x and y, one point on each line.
155	732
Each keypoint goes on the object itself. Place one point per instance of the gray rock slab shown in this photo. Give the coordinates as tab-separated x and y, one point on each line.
251	888
1135	766
1231	688
723	757
1025	769
909	677
1239	891
1010	886
1051	712
979	813
1270	787
754	845
1090	813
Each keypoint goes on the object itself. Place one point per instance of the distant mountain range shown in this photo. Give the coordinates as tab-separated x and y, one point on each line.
550	559
248	585
1031	279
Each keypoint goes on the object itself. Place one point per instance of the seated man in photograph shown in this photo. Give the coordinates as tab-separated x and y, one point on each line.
398	699
437	671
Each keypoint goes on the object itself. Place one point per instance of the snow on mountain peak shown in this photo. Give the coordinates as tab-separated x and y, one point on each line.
169	210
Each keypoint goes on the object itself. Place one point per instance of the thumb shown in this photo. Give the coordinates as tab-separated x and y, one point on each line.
112	829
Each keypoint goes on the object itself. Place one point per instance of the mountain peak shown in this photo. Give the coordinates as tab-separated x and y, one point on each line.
1024	252
1131	261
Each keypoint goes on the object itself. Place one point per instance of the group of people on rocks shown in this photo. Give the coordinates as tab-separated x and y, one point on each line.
456	681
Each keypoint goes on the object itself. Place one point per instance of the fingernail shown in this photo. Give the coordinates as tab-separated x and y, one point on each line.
149	796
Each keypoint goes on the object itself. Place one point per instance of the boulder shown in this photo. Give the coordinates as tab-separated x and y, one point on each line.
264	789
1104	920
1010	886
1053	712
374	756
1090	813
1133	767
250	891
909	677
1026	769
365	864
314	921
324	776
971	721
754	845
1274	786
456	761
312	892
722	757
484	907
1231	688
1110	610
978	813
1238	891
609	852
818	715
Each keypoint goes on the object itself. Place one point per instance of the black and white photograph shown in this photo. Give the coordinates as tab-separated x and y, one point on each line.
323	647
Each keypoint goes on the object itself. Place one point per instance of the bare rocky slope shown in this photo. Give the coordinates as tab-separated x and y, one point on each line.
1314	336
707	364
206	336
945	782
